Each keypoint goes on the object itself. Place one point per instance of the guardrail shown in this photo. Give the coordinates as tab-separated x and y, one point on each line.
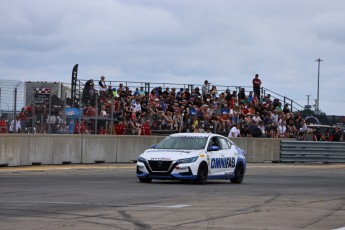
312	151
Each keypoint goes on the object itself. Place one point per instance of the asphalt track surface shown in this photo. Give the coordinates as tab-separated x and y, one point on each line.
109	196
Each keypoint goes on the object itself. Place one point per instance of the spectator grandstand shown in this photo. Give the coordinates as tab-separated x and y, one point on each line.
141	108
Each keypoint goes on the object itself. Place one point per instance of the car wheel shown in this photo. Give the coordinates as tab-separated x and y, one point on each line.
238	175
201	178
145	180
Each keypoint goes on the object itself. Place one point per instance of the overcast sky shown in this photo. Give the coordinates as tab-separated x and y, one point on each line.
180	41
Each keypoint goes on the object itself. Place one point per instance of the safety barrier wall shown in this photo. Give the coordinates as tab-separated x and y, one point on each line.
315	151
21	149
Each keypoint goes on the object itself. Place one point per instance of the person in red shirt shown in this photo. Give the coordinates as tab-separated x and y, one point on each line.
3	126
90	112
83	129
146	128
102	131
120	128
256	85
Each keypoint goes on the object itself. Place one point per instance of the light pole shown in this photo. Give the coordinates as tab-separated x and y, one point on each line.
307	106
318	86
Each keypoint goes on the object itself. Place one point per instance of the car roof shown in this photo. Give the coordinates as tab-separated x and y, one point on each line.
193	134
207	135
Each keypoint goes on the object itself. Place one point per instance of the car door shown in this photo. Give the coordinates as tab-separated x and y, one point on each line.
220	160
229	154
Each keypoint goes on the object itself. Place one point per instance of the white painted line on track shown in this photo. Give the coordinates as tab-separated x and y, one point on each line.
162	206
176	206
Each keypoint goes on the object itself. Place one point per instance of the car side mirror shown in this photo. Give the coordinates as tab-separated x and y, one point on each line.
213	148
153	146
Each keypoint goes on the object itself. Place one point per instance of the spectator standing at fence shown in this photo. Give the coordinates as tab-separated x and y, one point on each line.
205	90
3	125
242	96
141	91
214	92
166	92
318	135
102	85
256	85
235	131
120	128
279	108
153	95
173	92
86	95
136	92
15	126
250	97
146	127
336	134
286	108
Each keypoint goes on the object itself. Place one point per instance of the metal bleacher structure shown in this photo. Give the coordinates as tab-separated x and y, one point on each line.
14	95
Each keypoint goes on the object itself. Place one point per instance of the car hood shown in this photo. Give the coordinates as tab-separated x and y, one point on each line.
169	154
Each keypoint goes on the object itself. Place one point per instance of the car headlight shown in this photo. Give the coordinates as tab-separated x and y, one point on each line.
141	159
187	160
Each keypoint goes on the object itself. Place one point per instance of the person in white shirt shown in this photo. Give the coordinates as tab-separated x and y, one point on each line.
15	126
137	106
282	130
102	85
256	117
235	131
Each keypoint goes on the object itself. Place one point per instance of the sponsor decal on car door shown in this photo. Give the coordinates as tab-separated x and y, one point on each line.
222	161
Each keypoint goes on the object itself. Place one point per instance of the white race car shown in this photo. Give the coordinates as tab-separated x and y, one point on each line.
192	156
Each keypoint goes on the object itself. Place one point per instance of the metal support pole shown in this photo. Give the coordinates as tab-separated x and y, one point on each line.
96	118
33	121
49	113
318	86
112	116
15	110
308	99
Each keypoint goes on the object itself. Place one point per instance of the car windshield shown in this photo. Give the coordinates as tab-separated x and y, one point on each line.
183	142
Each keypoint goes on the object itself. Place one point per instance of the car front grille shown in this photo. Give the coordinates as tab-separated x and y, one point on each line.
160	166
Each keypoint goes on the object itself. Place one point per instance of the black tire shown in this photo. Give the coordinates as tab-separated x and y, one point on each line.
239	174
145	180
201	178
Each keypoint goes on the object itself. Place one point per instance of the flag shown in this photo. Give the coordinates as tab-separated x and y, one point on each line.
74	85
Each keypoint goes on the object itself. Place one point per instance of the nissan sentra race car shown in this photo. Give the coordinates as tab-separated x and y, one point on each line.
192	156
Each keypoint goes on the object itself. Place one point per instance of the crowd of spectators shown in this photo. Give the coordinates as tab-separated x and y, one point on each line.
192	110
119	110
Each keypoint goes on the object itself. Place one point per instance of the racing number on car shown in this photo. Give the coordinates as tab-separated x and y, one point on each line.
225	162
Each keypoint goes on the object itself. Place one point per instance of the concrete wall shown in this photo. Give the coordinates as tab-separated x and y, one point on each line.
260	149
23	149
